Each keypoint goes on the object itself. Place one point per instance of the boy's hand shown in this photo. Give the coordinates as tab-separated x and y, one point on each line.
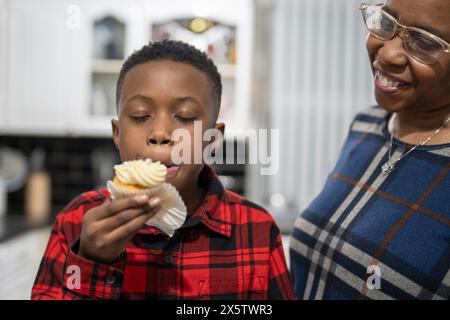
106	229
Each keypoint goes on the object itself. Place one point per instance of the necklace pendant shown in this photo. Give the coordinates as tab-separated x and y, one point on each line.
387	167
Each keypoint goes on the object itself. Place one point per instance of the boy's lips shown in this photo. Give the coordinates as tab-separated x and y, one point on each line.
172	169
172	172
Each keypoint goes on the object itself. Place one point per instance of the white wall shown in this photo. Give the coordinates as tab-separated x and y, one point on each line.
318	77
3	60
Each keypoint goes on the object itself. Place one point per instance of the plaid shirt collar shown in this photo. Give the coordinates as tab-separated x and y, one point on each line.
210	213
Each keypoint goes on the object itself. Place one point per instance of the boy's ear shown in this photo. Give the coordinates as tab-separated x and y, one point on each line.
221	127
115	132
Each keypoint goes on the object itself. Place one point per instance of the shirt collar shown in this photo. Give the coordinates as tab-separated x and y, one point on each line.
212	213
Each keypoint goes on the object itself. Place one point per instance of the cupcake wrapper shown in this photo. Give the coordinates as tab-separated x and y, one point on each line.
173	210
119	193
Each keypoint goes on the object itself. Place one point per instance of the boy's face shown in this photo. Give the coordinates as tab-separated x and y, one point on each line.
158	97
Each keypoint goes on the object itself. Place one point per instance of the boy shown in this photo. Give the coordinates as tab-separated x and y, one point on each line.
228	248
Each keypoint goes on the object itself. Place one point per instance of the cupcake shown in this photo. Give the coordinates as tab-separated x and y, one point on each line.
137	177
147	177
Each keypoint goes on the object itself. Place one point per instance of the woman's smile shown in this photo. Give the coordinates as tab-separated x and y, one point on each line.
389	84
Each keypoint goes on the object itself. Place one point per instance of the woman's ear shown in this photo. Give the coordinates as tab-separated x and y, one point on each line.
115	132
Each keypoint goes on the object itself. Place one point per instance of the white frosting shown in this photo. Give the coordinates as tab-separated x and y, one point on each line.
141	172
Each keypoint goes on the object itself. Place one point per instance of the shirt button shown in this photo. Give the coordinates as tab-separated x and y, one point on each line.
169	258
110	280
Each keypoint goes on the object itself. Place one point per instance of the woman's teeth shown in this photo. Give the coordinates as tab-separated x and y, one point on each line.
388	82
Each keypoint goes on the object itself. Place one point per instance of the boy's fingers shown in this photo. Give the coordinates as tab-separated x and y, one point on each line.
127	231
112	207
127	203
122	218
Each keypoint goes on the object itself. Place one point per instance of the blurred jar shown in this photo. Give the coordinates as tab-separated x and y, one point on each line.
38	191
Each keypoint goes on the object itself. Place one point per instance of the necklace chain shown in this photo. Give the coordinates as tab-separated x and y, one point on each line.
389	166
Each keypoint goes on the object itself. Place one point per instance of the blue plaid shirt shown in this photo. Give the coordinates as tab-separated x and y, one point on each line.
368	235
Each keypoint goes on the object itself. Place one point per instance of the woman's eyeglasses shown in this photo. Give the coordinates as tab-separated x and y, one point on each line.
419	44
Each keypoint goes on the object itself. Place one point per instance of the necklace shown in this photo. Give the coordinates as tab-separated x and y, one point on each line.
390	165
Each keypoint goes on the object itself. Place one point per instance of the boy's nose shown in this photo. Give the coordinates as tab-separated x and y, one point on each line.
160	131
159	138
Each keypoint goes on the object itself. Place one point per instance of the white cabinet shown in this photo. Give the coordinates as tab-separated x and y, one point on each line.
50	72
43	68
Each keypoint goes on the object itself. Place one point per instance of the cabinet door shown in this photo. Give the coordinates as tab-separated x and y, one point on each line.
99	18
45	67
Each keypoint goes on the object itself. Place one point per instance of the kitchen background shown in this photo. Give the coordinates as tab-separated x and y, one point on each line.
299	66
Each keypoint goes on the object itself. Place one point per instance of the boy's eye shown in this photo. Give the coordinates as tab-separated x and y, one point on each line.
185	119
140	119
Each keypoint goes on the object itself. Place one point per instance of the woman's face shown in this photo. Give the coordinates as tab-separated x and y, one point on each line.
423	87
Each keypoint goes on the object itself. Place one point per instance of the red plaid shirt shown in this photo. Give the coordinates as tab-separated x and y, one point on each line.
229	249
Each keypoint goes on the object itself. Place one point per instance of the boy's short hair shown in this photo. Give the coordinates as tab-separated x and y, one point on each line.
177	51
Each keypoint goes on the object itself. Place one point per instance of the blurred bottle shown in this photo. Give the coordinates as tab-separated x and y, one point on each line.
232	52
38	190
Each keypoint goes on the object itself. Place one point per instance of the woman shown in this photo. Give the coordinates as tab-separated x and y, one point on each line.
380	228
